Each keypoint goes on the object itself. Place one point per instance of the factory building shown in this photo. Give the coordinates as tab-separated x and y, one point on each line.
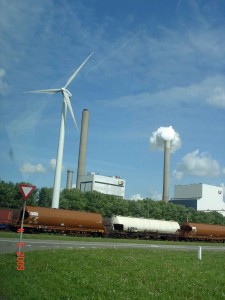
110	185
202	197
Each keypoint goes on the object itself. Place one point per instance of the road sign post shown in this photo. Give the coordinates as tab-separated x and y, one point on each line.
26	191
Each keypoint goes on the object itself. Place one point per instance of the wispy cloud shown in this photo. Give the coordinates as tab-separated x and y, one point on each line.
210	91
217	96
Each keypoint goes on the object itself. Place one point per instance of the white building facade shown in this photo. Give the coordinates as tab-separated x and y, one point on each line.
202	197
110	185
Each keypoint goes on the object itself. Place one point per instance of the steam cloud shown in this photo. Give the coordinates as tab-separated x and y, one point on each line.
165	134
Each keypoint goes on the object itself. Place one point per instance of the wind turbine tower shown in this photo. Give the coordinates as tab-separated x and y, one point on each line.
66	103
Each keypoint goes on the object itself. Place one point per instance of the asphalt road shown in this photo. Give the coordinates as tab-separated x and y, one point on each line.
9	245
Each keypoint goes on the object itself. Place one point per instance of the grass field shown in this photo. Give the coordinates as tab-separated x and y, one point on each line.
113	274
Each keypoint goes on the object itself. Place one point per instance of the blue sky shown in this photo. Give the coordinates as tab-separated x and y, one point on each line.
155	63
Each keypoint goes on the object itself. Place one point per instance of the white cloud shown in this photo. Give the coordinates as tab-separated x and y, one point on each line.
197	164
29	168
53	164
154	195
217	97
177	174
136	197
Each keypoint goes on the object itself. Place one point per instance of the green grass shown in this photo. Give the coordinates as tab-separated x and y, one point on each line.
113	274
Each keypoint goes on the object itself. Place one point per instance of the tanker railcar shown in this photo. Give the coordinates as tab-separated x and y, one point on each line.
7	217
202	232
44	219
129	227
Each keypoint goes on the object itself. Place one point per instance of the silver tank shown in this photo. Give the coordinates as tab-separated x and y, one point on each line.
141	225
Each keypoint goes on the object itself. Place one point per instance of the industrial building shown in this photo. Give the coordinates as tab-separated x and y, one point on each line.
202	197
110	185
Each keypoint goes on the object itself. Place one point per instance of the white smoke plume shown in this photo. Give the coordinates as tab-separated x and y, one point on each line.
165	134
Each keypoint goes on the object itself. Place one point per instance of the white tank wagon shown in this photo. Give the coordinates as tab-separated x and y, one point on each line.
140	225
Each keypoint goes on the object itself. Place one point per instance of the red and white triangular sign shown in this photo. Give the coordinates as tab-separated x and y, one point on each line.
26	190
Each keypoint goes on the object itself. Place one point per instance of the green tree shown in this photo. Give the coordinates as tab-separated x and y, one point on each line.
45	197
95	202
73	199
8	194
119	207
11	196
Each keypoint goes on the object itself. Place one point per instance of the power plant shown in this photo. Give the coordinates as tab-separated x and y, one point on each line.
83	147
200	196
166	171
109	185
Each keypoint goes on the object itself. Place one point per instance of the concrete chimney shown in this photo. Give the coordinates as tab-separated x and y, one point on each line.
83	146
166	171
69	181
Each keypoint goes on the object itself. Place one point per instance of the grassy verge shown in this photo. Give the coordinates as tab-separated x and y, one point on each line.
45	236
113	274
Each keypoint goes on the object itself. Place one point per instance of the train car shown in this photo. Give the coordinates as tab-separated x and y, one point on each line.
200	231
143	228
61	220
7	216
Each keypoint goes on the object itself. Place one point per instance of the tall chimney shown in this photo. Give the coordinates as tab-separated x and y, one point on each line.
166	171
69	181
83	146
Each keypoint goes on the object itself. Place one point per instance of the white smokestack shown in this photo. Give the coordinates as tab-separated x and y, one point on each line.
165	138
166	171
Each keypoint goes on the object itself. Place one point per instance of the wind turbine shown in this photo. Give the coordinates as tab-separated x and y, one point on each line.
66	103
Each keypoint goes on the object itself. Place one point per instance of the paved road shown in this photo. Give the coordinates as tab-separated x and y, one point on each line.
8	245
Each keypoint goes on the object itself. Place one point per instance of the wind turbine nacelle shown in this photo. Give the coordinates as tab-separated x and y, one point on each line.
66	92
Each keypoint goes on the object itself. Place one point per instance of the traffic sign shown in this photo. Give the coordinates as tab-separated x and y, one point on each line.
26	190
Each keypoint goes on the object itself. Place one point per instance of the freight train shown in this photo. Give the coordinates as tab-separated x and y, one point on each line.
7	216
41	219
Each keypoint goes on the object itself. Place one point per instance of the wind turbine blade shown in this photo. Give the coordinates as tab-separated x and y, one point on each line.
67	100
77	71
49	91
